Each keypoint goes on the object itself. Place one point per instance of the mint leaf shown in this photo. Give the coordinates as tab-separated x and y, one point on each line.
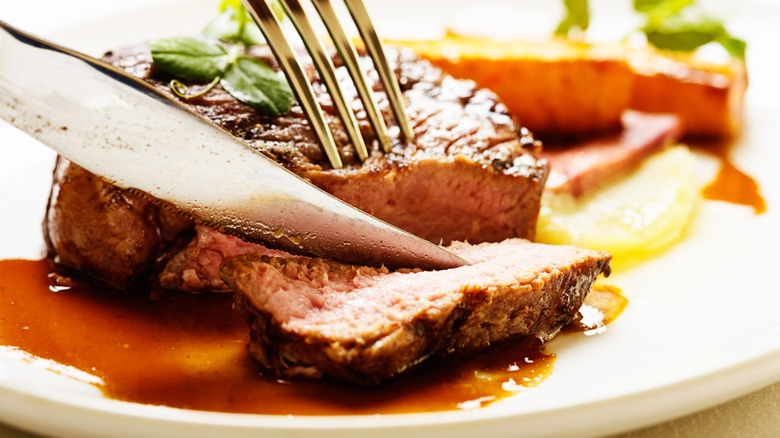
683	33
251	34
682	41
224	27
234	25
646	5
249	80
253	82
232	4
190	58
577	16
681	25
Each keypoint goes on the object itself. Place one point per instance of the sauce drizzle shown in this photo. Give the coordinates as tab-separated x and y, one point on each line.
731	184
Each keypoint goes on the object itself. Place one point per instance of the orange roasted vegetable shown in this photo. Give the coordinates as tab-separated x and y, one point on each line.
560	88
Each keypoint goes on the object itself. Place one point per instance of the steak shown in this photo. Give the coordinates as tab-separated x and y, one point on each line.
196	267
108	233
586	165
472	174
315	318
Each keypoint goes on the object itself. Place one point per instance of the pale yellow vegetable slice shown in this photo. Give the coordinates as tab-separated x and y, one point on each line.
638	215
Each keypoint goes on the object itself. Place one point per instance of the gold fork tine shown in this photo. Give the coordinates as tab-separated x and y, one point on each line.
360	15
349	56
299	82
327	73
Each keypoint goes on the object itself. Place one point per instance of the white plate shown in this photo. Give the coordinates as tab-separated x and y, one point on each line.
701	326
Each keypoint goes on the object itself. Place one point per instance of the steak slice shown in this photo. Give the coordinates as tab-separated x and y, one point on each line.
471	174
586	165
315	318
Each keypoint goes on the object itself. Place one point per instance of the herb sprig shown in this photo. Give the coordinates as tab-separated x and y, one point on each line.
682	25
577	17
235	25
223	60
679	25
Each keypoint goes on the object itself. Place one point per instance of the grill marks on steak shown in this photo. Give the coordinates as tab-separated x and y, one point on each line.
486	184
446	114
312	317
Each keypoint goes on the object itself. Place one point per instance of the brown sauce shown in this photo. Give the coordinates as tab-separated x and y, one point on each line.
603	305
189	351
731	184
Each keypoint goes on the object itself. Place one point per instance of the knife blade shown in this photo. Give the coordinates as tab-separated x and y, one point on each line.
124	130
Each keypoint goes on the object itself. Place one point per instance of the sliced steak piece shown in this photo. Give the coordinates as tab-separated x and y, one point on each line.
315	318
471	174
586	165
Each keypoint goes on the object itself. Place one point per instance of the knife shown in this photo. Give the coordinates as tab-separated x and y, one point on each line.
124	130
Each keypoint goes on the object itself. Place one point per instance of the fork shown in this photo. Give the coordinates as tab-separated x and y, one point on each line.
270	27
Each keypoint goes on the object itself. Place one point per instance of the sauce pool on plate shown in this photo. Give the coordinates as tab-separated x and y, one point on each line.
189	351
731	184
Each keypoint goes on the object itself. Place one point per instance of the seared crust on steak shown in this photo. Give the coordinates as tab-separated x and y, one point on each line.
106	232
312	317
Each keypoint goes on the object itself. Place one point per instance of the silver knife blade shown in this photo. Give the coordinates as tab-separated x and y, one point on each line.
121	128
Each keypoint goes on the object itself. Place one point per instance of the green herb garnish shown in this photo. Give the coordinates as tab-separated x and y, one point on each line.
247	79
668	7
234	25
190	58
252	81
679	25
577	17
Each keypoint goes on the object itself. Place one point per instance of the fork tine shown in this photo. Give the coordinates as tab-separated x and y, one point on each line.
349	56
299	82
327	73
360	15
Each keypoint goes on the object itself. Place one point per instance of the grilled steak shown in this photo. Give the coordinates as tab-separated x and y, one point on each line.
312	317
471	174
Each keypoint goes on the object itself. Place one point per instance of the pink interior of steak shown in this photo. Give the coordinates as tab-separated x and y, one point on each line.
196	267
313	317
443	201
337	301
